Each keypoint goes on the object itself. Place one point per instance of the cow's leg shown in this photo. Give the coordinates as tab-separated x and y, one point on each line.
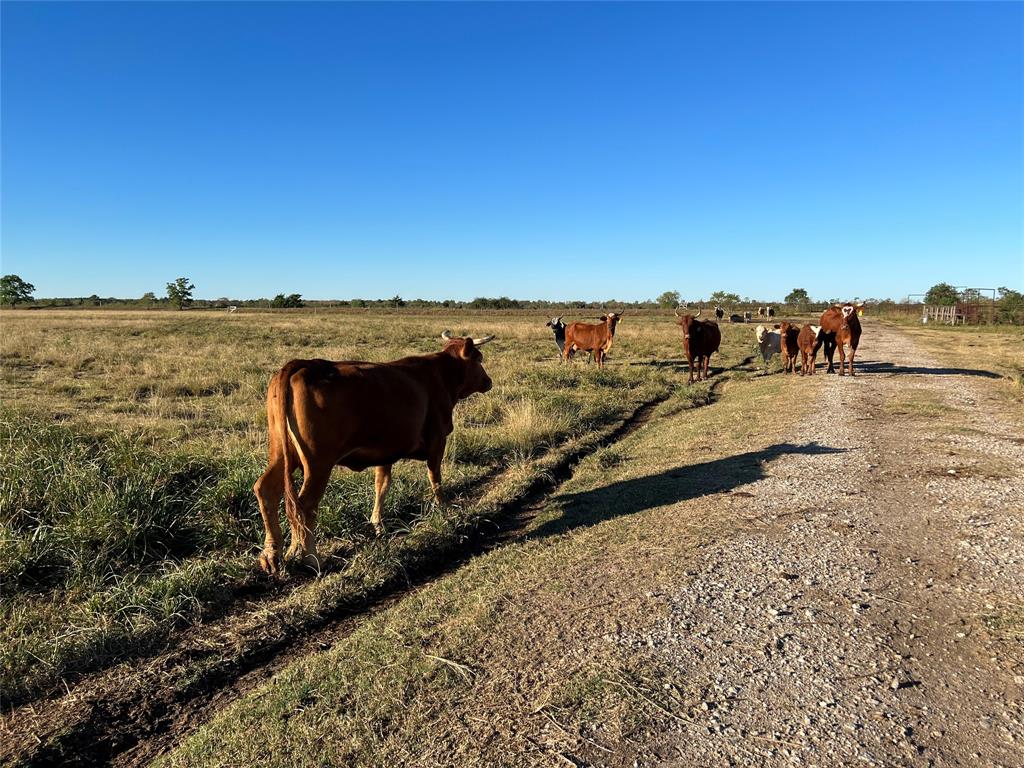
434	473
313	486
842	358
269	489
691	369
707	362
381	482
853	353
830	355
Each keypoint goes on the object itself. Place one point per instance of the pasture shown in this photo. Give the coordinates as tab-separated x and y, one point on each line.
603	530
131	441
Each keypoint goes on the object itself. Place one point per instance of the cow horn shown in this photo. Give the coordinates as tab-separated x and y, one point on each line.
446	335
676	310
483	340
699	311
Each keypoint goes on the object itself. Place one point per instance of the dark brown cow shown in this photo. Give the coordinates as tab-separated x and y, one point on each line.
322	414
788	335
807	341
701	339
840	326
591	338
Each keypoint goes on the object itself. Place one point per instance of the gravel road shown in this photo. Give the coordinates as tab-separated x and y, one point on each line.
878	615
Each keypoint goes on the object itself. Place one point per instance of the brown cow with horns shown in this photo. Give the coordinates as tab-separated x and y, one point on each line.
701	338
322	414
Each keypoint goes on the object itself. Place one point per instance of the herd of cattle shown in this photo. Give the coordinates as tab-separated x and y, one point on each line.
323	414
839	328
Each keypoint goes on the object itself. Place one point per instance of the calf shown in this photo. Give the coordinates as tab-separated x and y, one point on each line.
807	341
719	313
769	342
701	338
770	311
789	346
840	326
592	338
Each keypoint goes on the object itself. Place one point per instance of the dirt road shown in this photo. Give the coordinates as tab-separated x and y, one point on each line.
879	618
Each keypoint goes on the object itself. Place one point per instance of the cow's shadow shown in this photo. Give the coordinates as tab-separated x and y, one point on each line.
881	366
627	497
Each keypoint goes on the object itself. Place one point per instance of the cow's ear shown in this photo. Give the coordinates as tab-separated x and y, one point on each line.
468	347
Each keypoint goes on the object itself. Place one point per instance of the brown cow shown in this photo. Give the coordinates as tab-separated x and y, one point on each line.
701	339
840	326
322	414
788	345
591	338
807	341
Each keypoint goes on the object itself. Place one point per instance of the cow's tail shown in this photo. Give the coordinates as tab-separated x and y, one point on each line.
291	501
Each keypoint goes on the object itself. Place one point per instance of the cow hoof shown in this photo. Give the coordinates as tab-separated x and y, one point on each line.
378	530
269	562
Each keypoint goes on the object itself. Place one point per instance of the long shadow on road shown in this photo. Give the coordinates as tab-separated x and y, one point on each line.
627	497
872	366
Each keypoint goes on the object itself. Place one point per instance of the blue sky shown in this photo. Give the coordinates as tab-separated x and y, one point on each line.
549	151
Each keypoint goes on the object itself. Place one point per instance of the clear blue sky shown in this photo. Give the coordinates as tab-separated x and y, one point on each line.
551	151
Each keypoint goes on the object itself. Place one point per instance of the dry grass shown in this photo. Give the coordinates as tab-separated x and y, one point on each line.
131	441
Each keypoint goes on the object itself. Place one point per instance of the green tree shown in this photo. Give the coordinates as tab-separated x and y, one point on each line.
798	297
291	301
14	290
396	302
723	298
179	293
148	298
668	299
941	293
1011	305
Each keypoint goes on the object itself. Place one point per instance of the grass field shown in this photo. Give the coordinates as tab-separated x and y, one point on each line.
130	442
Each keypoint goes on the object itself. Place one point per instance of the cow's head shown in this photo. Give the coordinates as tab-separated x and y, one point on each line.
611	320
556	325
467	351
687	322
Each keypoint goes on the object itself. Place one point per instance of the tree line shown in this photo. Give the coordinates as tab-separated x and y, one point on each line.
179	295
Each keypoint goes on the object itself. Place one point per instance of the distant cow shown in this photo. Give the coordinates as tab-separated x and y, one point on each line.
232	308
770	311
591	338
769	342
760	311
719	313
701	339
322	414
747	317
788	346
840	326
807	341
736	319
558	327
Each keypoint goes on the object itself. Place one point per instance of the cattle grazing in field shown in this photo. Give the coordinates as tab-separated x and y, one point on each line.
769	342
719	313
840	326
760	311
591	338
807	341
770	312
788	347
322	414
701	339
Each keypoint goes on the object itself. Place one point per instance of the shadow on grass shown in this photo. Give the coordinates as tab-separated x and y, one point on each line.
873	366
627	497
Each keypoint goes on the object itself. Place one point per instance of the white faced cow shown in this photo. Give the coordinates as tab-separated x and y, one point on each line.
769	342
